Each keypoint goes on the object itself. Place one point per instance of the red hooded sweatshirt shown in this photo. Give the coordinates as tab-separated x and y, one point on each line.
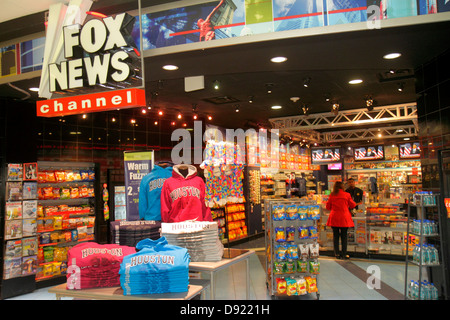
183	196
339	206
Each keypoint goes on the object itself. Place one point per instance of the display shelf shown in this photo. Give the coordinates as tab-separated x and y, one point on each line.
422	202
292	250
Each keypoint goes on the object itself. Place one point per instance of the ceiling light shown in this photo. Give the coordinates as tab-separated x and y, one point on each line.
335	108
170	67
160	113
209	118
250	99
84	116
406	139
179	116
236	108
392	56
306	82
401	86
276	107
156	123
133	121
355	81
144	111
34	89
172	123
195	117
269	87
379	135
113	119
216	84
305	109
278	59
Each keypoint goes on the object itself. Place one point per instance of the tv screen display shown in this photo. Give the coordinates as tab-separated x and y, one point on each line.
369	153
409	150
335	166
325	155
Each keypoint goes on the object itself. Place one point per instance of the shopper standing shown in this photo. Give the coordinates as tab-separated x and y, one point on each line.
339	203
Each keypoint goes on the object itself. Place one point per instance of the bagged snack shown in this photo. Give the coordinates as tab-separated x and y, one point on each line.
290	266
280	252
302	266
311	284
303	232
281	286
301	286
64	193
278	212
280	234
312	232
304	250
290	234
291	212
60	176
314	250
302	212
279	267
314	212
292	252
291	287
314	266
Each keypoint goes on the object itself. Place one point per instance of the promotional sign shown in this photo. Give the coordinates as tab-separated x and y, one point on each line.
325	155
86	53
369	153
137	164
447	206
103	101
410	150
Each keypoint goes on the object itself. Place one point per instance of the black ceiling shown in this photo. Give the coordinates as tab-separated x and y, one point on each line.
329	60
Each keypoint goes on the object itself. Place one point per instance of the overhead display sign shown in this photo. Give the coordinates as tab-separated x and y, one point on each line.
325	155
86	54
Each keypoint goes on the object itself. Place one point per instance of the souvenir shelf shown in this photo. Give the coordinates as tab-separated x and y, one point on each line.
292	250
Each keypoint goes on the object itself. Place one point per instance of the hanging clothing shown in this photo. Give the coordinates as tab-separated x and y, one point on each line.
183	196
150	193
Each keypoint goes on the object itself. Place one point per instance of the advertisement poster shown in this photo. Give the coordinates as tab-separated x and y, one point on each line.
137	164
297	14
346	11
32	55
8	61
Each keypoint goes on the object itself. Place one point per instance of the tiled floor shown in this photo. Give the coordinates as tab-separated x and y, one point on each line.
338	280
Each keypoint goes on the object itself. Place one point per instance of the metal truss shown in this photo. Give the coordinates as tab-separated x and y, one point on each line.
405	131
347	118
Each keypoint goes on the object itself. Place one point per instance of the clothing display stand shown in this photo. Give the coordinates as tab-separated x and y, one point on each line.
295	258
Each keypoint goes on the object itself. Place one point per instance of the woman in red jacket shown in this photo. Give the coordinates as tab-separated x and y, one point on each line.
339	203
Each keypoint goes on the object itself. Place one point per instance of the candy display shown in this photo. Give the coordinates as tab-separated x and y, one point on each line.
296	286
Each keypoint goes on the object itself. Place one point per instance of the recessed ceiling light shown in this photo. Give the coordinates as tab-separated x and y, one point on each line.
406	139
278	59
34	89
170	67
276	107
355	81
394	55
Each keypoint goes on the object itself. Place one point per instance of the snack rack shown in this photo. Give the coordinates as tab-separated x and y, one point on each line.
300	233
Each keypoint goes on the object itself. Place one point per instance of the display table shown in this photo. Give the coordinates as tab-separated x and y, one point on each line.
196	286
230	257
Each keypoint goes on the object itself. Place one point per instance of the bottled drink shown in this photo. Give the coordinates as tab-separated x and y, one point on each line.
425	254
411	289
434	292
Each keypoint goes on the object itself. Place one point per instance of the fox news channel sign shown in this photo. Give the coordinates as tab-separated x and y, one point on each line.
99	55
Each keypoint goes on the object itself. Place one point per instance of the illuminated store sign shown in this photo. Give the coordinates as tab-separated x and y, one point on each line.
94	54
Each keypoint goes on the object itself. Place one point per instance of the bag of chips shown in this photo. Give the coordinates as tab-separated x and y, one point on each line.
280	252
278	212
291	212
291	287
311	284
303	232
301	286
302	212
279	267
302	266
314	266
281	286
280	234
314	250
290	234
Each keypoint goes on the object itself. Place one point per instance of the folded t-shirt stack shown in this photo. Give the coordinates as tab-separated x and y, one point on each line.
93	265
157	267
201	238
129	233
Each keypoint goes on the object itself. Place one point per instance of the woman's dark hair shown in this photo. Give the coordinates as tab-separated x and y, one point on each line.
337	186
